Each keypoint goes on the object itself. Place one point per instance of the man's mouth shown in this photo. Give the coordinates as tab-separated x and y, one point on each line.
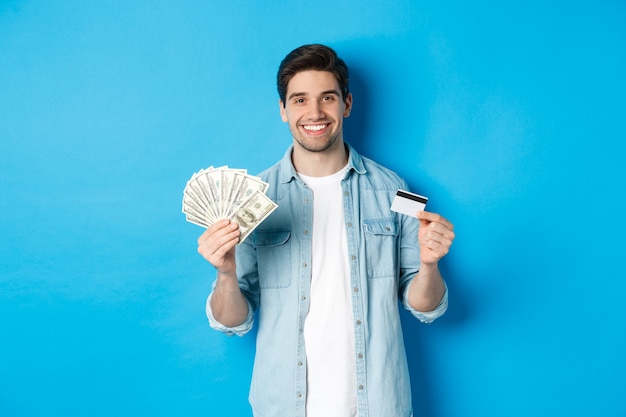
315	128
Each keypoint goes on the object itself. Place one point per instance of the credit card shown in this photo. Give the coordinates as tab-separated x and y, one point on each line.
408	203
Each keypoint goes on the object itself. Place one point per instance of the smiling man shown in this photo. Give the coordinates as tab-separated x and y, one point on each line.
324	272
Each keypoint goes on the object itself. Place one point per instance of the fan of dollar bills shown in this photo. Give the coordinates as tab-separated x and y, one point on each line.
224	193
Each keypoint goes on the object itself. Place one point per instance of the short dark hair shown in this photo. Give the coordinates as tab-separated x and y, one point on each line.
312	57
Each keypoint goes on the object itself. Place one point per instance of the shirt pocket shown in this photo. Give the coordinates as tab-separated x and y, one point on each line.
273	258
381	237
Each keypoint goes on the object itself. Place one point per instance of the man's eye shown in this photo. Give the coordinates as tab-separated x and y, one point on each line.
328	98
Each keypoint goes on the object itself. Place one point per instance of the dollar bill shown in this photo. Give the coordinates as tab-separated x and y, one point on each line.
252	212
244	187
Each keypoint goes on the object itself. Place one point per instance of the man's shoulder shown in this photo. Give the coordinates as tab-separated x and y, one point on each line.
270	172
381	175
273	171
372	165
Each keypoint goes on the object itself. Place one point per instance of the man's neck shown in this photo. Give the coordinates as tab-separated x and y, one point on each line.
319	164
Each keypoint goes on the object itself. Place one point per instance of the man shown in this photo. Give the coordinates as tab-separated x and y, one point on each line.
323	273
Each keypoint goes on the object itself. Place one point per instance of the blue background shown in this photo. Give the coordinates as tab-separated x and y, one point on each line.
509	116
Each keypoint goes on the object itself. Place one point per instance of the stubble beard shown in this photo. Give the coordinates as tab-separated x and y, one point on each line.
317	144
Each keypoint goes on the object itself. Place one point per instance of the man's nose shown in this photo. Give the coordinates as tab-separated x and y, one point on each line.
315	110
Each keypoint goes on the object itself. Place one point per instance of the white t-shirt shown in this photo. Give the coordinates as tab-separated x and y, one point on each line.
329	328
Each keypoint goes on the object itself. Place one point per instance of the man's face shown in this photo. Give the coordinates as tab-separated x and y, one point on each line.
314	110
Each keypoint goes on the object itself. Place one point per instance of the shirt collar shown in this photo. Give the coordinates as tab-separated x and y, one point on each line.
288	171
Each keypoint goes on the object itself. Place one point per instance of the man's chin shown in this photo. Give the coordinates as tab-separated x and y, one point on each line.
313	144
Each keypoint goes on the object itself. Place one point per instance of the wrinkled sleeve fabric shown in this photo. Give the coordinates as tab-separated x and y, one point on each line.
240	330
426	316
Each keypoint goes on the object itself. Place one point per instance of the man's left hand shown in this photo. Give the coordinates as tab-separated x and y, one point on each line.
435	237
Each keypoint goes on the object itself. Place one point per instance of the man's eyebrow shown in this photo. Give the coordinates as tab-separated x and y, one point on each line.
303	94
297	94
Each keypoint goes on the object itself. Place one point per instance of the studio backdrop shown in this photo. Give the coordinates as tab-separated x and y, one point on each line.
508	116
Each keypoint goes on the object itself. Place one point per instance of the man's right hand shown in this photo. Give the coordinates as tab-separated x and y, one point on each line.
217	245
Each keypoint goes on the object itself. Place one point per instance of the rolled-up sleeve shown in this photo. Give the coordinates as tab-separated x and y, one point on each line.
240	330
428	316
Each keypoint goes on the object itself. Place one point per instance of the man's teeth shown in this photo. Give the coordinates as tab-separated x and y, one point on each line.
315	128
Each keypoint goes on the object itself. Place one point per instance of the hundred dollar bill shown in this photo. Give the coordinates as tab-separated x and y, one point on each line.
214	184
234	189
252	212
197	195
226	186
197	220
195	209
243	187
231	181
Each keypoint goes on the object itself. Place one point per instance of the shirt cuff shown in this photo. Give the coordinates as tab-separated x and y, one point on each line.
239	330
429	316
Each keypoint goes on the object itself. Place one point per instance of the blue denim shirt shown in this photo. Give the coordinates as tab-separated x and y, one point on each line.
274	272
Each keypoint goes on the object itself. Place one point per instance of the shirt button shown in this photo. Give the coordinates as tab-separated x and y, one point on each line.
304	265
356	289
360	386
360	356
299	363
306	232
349	224
346	193
358	322
353	258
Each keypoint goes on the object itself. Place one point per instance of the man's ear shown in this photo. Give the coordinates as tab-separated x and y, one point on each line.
283	112
348	103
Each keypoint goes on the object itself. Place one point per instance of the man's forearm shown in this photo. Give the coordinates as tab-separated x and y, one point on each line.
228	304
426	289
